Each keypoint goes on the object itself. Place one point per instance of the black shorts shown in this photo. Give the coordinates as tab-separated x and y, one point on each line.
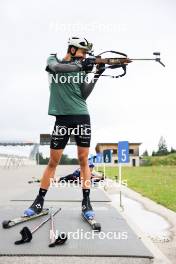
77	125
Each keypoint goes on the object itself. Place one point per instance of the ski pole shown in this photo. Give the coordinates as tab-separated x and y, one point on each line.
26	233
61	238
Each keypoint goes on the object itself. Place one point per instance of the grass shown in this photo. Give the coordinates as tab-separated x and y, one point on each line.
155	182
169	159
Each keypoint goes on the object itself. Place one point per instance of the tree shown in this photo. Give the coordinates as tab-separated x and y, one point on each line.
145	154
41	160
153	153
173	150
162	147
65	160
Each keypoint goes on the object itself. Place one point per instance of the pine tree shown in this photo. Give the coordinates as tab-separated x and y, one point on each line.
153	153
145	154
162	147
173	150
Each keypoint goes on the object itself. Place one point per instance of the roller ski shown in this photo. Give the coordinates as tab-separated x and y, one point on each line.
89	215
27	234
34	211
10	223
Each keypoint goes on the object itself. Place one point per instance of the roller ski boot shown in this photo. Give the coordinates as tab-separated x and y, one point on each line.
89	215
36	208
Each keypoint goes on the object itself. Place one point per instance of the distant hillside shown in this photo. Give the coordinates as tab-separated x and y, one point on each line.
160	160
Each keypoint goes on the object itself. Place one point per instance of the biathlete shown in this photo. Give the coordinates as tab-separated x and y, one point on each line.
76	176
69	90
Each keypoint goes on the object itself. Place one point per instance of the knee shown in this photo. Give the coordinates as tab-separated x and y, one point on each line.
83	160
52	163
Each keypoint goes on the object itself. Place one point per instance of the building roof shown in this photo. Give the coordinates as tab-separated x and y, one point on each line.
116	143
99	145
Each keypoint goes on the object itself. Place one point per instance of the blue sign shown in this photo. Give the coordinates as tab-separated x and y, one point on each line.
99	158
107	156
123	152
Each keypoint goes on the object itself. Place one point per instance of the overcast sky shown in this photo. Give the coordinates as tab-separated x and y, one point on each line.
139	107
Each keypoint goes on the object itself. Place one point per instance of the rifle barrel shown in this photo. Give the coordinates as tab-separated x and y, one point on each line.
154	59
143	59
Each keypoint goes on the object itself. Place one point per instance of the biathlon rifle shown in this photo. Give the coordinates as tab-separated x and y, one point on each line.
120	62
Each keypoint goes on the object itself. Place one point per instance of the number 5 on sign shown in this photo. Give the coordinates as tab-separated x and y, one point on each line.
123	152
123	157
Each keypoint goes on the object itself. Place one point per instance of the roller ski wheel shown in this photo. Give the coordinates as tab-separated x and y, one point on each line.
89	215
92	222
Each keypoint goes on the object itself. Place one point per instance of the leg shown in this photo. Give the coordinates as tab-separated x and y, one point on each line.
87	210
55	156
57	145
83	143
37	206
83	153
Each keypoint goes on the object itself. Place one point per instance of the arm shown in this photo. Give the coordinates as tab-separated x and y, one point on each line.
56	66
87	88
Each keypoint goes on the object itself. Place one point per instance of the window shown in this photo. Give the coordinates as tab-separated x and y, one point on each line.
131	151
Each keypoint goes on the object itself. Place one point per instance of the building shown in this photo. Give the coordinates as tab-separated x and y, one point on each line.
133	152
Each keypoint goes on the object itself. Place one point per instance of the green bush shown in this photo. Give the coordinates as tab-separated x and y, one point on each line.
65	160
